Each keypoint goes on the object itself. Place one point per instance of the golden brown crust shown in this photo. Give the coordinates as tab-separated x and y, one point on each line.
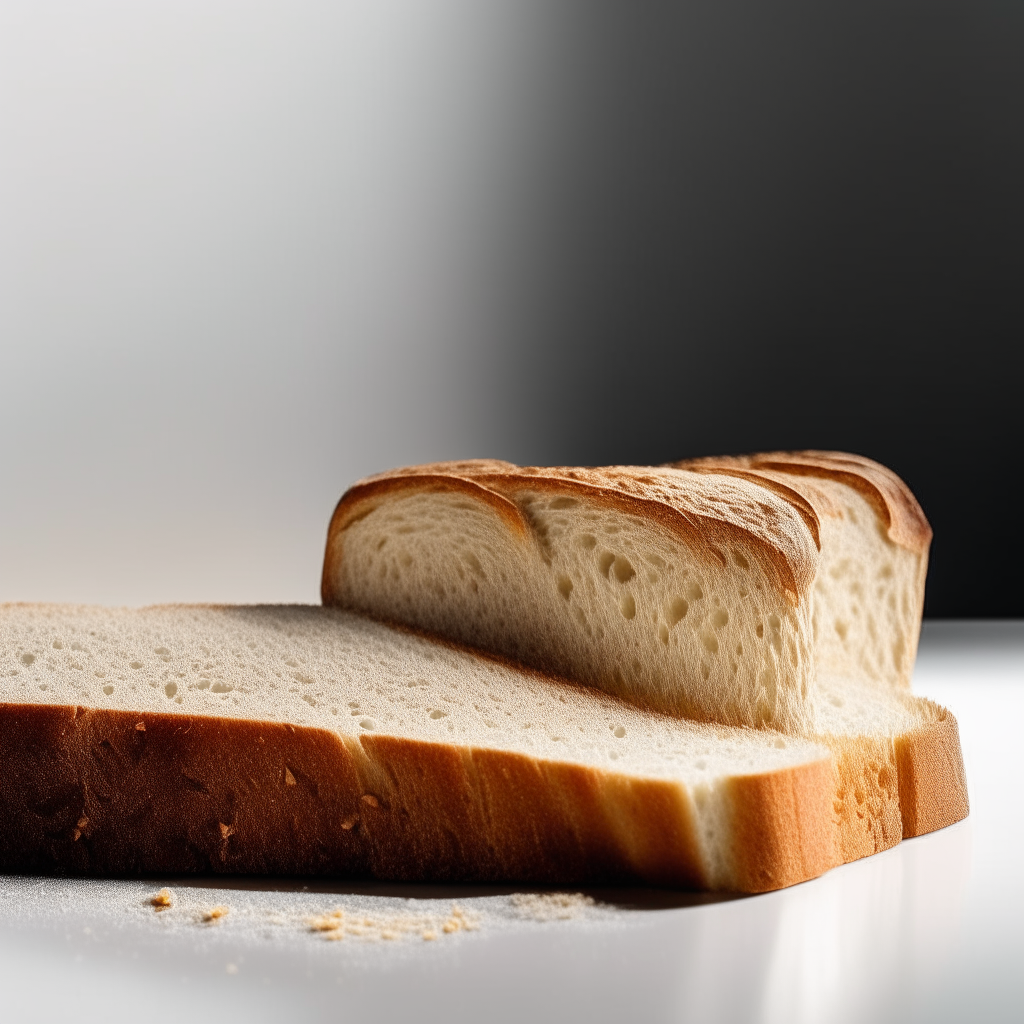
782	827
780	532
866	802
933	786
892	500
105	792
363	497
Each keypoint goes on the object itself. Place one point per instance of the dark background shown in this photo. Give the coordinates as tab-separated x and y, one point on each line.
789	225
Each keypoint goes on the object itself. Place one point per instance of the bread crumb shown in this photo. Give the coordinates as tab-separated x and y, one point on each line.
226	830
370	800
162	900
391	926
350	822
551	906
140	726
215	914
328	922
289	779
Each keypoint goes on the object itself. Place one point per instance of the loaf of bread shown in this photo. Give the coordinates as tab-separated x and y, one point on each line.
779	591
720	591
306	740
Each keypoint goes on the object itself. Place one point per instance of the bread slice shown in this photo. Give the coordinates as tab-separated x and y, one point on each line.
307	740
688	592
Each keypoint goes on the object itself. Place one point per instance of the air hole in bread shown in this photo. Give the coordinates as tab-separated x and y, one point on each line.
622	569
677	610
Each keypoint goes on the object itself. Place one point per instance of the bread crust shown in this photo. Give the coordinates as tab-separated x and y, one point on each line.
892	499
796	805
778	532
105	792
932	782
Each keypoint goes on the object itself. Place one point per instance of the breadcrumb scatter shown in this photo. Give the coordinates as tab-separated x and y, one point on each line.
551	906
215	914
289	779
370	800
391	926
162	900
350	822
328	922
226	830
140	726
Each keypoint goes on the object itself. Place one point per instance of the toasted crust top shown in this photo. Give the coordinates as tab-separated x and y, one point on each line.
776	523
891	498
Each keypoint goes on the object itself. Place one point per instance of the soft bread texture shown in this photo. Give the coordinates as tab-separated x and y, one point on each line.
311	740
718	589
868	591
898	768
684	591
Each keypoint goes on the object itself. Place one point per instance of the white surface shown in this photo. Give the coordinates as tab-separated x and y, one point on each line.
932	930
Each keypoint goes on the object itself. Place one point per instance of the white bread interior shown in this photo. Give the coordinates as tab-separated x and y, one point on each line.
674	615
368	686
580	578
868	592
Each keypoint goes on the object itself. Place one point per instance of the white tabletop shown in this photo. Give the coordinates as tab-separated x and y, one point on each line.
932	930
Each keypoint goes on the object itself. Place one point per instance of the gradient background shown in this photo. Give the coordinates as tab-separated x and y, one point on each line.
250	252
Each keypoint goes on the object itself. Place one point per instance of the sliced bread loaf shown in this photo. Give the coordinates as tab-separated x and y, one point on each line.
310	740
782	590
718	589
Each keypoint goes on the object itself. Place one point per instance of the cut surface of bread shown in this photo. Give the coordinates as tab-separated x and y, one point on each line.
897	763
684	591
311	740
718	589
868	591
